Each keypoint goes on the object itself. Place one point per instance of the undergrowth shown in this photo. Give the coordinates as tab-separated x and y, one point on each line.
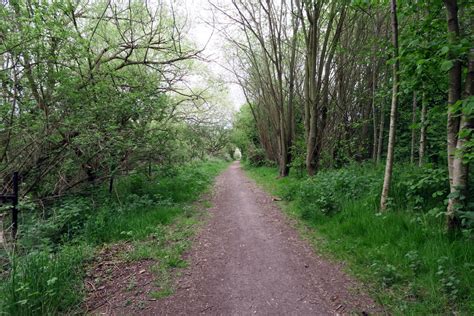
412	265
44	272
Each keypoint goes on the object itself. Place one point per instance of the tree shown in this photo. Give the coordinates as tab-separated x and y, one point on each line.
460	121
90	90
393	108
319	54
268	54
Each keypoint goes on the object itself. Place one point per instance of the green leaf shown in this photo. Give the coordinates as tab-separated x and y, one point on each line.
444	50
468	106
52	281
454	108
446	65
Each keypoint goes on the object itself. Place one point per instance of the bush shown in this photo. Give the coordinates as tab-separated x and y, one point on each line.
421	188
325	192
317	197
62	223
256	156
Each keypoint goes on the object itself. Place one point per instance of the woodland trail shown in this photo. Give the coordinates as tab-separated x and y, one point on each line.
249	260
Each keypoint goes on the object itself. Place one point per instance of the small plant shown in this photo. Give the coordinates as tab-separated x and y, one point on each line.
449	281
423	188
414	261
387	273
132	284
318	196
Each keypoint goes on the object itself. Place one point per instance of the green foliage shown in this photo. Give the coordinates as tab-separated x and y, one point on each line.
298	154
411	264
326	192
421	188
44	282
95	96
244	136
63	222
256	156
388	274
44	274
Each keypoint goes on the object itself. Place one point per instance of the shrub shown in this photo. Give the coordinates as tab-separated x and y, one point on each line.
325	192
256	156
421	188
317	197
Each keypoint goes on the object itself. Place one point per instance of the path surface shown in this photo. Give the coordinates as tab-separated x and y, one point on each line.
249	260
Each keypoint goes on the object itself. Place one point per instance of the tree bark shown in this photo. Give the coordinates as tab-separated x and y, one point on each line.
453	123
316	81
393	110
421	152
374	112
413	130
381	127
460	173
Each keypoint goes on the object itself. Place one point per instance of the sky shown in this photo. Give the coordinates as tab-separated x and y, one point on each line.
199	12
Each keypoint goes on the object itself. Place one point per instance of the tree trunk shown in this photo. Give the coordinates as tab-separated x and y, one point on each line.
374	90
284	150
421	152
453	123
393	110
413	130
460	173
374	112
381	127
311	144
291	114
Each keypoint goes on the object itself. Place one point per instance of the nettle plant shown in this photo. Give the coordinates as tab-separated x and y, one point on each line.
425	189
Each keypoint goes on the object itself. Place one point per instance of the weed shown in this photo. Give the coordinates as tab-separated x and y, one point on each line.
414	261
162	293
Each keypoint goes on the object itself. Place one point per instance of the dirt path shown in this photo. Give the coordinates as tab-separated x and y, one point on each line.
248	260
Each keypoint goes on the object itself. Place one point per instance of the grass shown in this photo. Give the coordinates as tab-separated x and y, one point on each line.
409	263
44	273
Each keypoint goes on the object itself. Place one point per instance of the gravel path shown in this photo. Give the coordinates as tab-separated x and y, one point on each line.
249	260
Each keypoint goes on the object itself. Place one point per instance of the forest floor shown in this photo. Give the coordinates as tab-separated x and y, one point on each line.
249	259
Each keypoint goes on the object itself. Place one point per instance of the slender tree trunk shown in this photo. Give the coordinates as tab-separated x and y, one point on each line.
413	130
312	45
393	110
381	127
382	119
421	152
453	123
311	144
374	112
284	150
374	90
291	93
460	172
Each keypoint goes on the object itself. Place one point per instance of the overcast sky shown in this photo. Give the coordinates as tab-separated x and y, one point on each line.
199	12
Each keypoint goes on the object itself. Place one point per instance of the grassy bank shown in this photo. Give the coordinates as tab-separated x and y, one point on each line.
409	263
155	215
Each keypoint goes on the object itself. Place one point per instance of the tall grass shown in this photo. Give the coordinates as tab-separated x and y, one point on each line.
412	266
43	274
43	282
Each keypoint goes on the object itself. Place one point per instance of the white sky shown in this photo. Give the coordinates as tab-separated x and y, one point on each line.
199	12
